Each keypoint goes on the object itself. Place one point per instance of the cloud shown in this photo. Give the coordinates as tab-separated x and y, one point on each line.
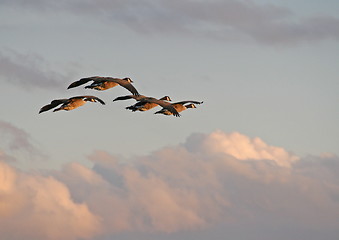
37	207
15	141
223	20
240	147
26	72
218	184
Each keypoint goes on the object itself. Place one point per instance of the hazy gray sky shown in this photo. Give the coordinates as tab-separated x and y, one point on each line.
257	160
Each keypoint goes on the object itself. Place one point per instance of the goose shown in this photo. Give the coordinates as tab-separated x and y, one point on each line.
179	106
70	103
104	83
146	104
139	98
150	102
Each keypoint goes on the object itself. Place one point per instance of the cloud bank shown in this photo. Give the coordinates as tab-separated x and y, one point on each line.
240	147
38	207
216	181
223	20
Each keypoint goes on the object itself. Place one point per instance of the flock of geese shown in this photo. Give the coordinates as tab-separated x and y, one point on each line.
144	103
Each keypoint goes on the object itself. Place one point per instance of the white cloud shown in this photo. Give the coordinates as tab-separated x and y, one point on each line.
185	190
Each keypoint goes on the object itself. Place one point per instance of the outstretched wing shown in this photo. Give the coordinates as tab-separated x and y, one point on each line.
184	102
83	81
126	85
96	99
136	97
53	104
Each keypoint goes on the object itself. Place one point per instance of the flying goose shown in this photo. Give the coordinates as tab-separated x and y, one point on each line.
179	106
139	98
104	83
145	104
150	102
70	103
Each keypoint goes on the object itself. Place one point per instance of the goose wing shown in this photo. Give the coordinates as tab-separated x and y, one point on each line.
96	99
84	80
184	102
136	97
163	104
53	104
126	85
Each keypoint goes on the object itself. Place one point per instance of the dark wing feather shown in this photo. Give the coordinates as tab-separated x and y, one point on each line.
53	104
77	97
126	85
99	100
123	98
83	81
137	98
184	102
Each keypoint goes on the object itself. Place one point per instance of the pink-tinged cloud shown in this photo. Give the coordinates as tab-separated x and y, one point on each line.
218	183
241	147
37	207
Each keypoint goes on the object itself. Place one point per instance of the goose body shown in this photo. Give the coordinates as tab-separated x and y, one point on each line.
179	106
70	103
104	83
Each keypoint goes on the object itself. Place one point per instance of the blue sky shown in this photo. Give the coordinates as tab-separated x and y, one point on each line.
265	70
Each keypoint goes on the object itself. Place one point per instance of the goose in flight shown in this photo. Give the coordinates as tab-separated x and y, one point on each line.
70	103
140	98
150	102
179	106
146	103
104	83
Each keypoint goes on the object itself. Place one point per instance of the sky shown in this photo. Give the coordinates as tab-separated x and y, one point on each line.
259	159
